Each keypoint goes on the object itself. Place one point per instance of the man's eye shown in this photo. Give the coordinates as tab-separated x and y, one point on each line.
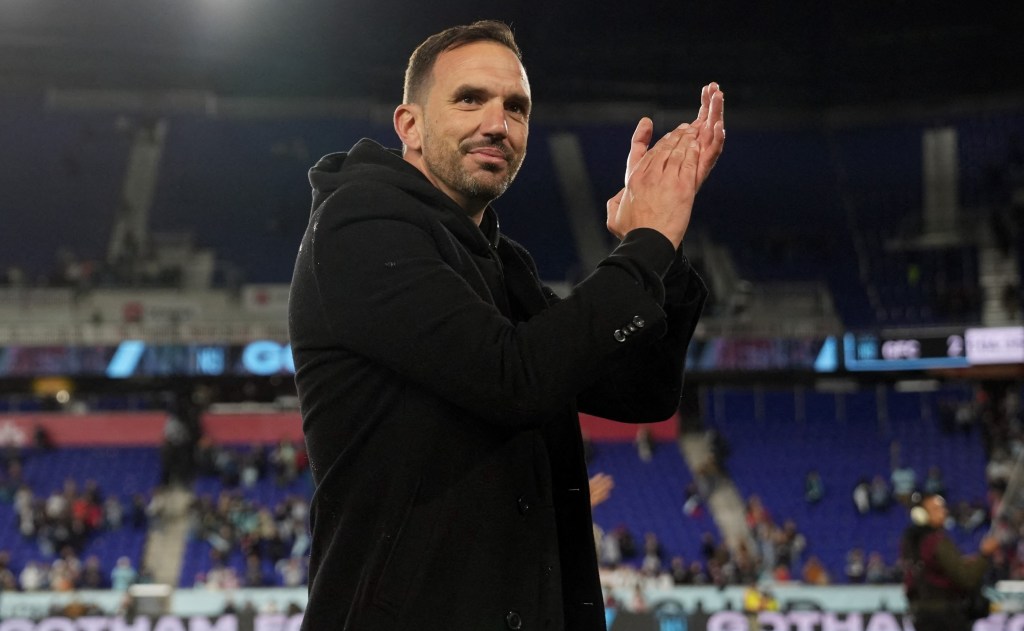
469	100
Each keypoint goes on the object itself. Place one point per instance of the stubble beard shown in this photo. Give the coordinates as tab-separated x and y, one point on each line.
482	185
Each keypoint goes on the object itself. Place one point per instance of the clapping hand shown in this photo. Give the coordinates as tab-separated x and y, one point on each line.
664	167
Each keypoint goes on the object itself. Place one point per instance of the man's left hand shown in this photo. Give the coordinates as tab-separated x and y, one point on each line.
710	124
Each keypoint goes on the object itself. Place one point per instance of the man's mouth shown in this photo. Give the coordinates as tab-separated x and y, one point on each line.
491	153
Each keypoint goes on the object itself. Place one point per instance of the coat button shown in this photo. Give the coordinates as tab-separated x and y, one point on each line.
524	506
638	322
632	328
619	335
513	620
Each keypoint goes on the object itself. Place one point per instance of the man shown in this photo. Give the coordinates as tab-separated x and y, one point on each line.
439	381
938	580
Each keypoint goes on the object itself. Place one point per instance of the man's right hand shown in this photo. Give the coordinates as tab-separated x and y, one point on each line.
988	546
660	188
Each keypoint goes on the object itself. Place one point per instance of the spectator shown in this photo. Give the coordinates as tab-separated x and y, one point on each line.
33	577
284	460
610	551
862	496
965	416
10	482
904	483
74	565
228	467
697	574
720	449
254	576
62	578
756	512
708	546
113	513
792	544
680	572
7	580
92	574
999	467
855	569
814	487
879	493
216	577
766	536
26	507
644	444
814	572
139	519
627	544
876	571
253	465
291	572
781	573
123	575
934	483
692	501
708	475
652	554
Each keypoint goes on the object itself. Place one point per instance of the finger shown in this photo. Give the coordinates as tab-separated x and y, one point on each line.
670	140
702	113
717	108
611	221
717	122
691	159
614	202
713	133
676	153
639	143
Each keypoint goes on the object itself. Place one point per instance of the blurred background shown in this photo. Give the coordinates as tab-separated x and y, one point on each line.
861	236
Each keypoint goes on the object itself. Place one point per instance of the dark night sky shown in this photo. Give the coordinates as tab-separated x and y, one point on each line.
788	54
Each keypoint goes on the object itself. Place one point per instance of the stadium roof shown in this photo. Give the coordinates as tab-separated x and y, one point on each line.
805	54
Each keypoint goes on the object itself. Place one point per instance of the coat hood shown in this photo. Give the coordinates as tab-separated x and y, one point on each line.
369	163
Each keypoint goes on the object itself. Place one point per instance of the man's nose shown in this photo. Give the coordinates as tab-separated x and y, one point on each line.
495	121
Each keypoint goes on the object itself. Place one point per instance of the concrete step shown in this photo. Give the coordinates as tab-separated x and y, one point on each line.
168	531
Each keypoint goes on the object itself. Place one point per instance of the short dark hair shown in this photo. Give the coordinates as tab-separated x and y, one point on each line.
421	62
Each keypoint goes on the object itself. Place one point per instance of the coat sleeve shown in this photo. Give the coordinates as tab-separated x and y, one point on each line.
645	385
966	573
386	293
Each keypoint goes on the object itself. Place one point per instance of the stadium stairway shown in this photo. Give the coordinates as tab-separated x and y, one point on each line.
165	542
724	502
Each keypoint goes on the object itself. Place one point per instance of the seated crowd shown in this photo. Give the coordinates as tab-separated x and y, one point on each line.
271	541
59	525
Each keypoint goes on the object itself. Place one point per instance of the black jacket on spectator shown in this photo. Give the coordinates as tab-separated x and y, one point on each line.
438	382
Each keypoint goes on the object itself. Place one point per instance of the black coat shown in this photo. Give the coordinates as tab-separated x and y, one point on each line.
438	382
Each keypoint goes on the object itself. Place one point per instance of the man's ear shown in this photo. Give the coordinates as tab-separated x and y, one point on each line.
407	125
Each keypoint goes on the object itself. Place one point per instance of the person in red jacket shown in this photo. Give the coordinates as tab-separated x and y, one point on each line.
940	582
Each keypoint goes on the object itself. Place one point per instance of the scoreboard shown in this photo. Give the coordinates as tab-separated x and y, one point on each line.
922	350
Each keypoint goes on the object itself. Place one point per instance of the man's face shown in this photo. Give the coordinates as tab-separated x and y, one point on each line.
937	512
475	122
